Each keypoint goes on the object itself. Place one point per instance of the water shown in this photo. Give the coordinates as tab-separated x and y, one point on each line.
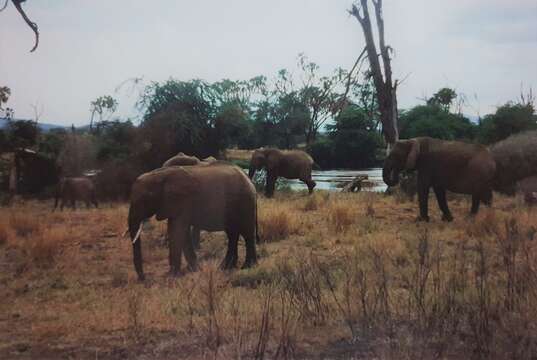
334	180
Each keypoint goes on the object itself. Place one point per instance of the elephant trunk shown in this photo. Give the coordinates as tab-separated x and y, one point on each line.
251	171
390	176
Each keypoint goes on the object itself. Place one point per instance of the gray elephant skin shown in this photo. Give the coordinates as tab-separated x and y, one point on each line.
516	159
71	189
290	164
443	165
212	198
181	159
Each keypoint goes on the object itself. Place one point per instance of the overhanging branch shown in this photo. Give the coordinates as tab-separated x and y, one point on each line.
31	24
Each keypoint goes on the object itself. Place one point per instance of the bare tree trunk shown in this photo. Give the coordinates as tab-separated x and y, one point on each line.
382	75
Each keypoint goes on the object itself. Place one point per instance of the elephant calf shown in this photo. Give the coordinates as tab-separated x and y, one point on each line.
445	165
75	188
291	164
213	198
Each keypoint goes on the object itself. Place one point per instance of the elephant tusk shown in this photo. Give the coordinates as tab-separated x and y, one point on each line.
137	233
125	233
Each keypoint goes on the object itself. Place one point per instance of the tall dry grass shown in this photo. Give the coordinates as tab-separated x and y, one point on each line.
376	285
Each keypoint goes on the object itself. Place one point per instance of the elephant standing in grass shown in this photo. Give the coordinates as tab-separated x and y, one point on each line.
443	165
516	159
181	159
290	164
72	189
213	198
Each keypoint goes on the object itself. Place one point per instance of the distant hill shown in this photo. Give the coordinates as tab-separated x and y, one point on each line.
42	126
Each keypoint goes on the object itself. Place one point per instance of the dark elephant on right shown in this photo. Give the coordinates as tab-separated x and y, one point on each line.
443	165
73	189
290	164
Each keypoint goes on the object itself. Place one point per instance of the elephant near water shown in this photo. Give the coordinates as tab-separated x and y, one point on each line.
290	164
443	165
218	197
71	189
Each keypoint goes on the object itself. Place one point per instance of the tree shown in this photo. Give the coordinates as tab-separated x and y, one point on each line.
32	25
104	106
382	76
5	92
509	119
323	96
435	121
443	98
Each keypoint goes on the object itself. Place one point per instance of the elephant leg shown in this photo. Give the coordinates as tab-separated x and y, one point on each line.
190	254
137	258
251	256
61	205
486	197
310	183
423	197
195	234
442	203
230	261
176	231
475	204
271	184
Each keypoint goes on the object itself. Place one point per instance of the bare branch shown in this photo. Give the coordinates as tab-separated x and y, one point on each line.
32	25
5	5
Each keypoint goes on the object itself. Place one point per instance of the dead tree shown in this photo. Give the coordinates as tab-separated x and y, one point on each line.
382	75
31	24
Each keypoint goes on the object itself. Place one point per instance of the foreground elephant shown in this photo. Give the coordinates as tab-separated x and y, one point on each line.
181	159
213	198
445	165
290	164
72	189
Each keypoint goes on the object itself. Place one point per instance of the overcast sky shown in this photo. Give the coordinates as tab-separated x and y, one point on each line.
483	48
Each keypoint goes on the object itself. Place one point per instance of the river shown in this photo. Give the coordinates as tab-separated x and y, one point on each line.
333	180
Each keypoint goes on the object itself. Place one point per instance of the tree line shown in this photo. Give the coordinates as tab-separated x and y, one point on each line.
336	118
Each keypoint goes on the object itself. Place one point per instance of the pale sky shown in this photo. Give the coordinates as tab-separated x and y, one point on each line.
485	49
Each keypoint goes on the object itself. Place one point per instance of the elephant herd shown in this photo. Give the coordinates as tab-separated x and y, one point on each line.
212	195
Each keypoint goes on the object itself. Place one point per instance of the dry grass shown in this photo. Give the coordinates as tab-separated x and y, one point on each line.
341	217
339	276
277	221
24	224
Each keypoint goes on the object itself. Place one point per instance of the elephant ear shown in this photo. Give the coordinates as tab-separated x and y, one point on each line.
413	154
177	191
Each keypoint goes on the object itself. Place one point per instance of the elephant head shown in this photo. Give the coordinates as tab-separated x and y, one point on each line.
258	161
166	193
403	155
162	192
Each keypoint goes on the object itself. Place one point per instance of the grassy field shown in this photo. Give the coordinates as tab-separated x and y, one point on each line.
339	276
